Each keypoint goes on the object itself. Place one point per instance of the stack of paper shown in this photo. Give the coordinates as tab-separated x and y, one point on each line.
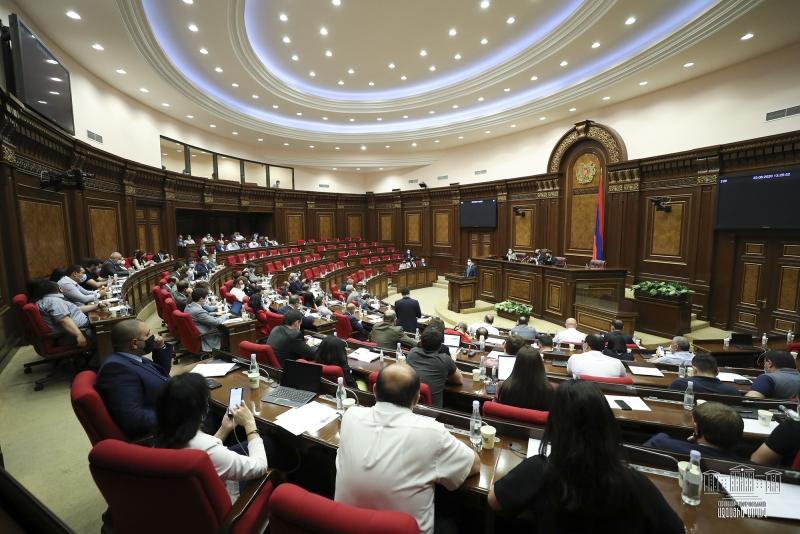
365	355
312	341
768	496
494	341
646	371
209	370
308	418
233	320
374	318
753	426
636	403
730	377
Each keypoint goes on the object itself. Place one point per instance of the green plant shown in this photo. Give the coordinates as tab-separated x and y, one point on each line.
663	289
513	307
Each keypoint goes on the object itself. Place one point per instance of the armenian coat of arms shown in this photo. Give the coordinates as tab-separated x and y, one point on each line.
585	171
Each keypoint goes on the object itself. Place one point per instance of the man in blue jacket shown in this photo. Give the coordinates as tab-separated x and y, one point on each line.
128	382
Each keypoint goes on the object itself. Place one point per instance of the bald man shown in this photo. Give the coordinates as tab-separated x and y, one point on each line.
571	334
115	264
128	382
391	459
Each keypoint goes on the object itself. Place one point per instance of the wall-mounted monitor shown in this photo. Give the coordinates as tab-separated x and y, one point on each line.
759	200
41	81
478	214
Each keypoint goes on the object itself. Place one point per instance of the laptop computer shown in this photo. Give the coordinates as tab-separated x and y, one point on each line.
742	341
452	340
299	385
236	308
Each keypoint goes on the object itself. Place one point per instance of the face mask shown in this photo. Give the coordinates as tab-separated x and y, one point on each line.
83	278
149	344
120	262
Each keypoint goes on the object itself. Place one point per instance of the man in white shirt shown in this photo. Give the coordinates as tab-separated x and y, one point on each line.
570	335
72	290
678	353
391	459
488	319
253	244
593	362
233	245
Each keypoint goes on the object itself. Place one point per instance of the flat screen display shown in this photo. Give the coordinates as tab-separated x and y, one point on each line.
759	200
41	82
478	214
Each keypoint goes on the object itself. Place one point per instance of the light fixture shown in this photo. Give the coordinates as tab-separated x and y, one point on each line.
324	118
431	112
98	46
606	98
510	20
687	65
358	168
283	17
480	99
573	109
351	71
534	78
423	52
642	83
311	146
363	147
405	116
432	68
351	119
484	41
121	71
56	79
435	140
485	4
323	31
164	104
379	119
457	57
234	133
51	61
54	92
507	89
746	37
218	69
380	168
188	2
285	144
259	139
337	148
461	137
312	74
144	89
204	51
371	83
286	39
488	131
299	113
234	84
73	15
334	168
392	65
564	63
542	118
255	97
212	125
414	143
596	44
336	3
193	28
512	125
340	82
630	20
453	32
328	53
403	77
189	116
455	106
387	146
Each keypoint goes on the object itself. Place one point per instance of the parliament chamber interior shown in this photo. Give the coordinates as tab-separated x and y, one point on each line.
354	266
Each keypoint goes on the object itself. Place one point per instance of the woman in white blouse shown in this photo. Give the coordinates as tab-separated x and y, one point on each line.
182	407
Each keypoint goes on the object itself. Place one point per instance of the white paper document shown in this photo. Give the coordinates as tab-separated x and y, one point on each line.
636	403
374	318
424	320
752	426
494	354
505	364
365	355
233	320
308	418
533	447
209	370
766	496
730	377
312	341
494	341
646	371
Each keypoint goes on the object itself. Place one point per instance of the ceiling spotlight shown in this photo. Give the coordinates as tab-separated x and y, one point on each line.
511	20
351	71
687	65
363	147
234	133
255	97
283	17
144	89
596	44
507	89
323	31
260	139
746	36
234	84
218	69
457	57
431	112
564	63
371	83
512	126
351	119
98	46
435	140
54	92
340	82
380	168
379	119
455	106
452	32
542	118
461	137
403	77
328	53
480	99
324	118
55	79
299	113
295	57
534	78
573	109
286	39
204	51
312	74
73	15
488	131
423	52
642	83
387	146
212	125
310	146
285	144
414	143
193	28
392	65
51	61
188	2
334	168
405	116
432	68
165	104
189	116
484	41
630	20
121	71
606	98
485	4
337	3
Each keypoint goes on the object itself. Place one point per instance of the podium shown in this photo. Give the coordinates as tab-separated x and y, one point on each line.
461	291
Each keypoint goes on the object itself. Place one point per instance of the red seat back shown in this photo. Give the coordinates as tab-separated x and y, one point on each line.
91	411
796	463
264	353
425	396
231	260
608	379
329	372
369	272
270	268
343	327
169	319
278	264
18	302
273	319
187	332
316	271
39	334
297	511
340	264
241	258
284	250
331	267
308	273
262	253
156	292
354	341
513	413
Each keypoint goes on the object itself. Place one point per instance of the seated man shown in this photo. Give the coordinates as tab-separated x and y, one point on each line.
287	340
593	362
232	245
65	319
115	264
705	378
488	319
321	308
717	430
206	324
387	334
678	353
781	446
616	339
433	367
295	285
392	459
70	286
237	290
182	295
460	330
292	303
570	334
347	286
523	330
356	295
359	332
781	379
512	344
130	383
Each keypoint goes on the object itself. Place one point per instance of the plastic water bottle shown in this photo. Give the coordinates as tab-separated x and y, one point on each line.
475	425
692	480
789	337
253	364
789	413
381	359
416	336
341	394
764	340
688	397
398	353
483	343
483	366
682	370
494	374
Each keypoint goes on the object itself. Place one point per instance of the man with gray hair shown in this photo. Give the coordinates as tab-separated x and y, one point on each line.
387	334
679	353
115	264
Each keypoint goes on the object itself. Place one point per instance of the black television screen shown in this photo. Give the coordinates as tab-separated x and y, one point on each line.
478	214
764	199
41	82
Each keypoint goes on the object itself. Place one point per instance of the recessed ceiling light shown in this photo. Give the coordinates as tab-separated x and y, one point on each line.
212	125
457	57
380	168
188	2
312	73
204	51
746	36
51	61
488	131
461	137
453	32
542	118
642	83
403	77
260	139
414	143
379	119
392	65
337	148
507	89
283	17
405	116
564	63
371	83
234	133
606	98
480	99
255	97
310	146
511	20
144	89
351	119
687	65
286	39
324	118
596	44
285	144
485	4
534	78
484	41
512	126
387	146
363	147
431	112
334	168
455	106
56	79
423	52
323	31
234	84
73	15
218	69
337	3
435	140
340	82
358	168
299	113
189	116
54	92
121	71
166	105
573	109
98	46
328	53
432	68
193	28
630	20
351	71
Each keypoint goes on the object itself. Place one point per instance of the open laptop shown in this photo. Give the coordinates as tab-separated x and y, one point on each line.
742	341
452	340
299	385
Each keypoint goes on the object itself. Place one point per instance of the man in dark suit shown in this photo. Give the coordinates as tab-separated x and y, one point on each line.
115	264
470	271
407	310
128	382
287	340
359	332
617	341
387	334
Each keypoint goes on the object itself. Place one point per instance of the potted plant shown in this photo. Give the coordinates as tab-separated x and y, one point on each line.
663	308
512	310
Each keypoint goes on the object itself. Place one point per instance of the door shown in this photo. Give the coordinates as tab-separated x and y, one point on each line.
148	229
480	244
767	275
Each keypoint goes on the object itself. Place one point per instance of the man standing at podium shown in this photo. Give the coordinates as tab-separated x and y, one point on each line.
470	271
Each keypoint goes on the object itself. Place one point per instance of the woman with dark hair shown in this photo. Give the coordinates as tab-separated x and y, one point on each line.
527	386
140	260
579	481
333	351
93	279
181	408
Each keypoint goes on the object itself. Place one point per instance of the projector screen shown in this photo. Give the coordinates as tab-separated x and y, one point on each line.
759	200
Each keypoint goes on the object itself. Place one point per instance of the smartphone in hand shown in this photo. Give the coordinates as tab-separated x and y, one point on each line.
234	400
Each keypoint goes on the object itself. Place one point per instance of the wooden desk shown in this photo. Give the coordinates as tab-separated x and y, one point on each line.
102	323
238	332
461	291
736	356
414	278
137	287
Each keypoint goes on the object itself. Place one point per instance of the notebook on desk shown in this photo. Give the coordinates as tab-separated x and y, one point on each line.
299	385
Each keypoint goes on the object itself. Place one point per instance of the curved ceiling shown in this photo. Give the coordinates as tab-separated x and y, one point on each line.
382	79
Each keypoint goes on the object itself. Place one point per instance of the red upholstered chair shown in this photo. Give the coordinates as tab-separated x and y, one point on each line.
343	327
360	343
91	410
363	261
294	249
330	267
387	257
43	340
351	245
270	268
169	319
296	260
262	253
156	292
166	480
362	274
264	353
320	248
308	273
294	510
338	295
513	413
273	252
284	250
231	260
379	250
329	372
278	265
316	257
273	319
323	270
316	271
369	272
228	284
188	334
18	302
425	396
340	264
330	247
796	463
224	292
341	254
389	269
308	258
608	379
